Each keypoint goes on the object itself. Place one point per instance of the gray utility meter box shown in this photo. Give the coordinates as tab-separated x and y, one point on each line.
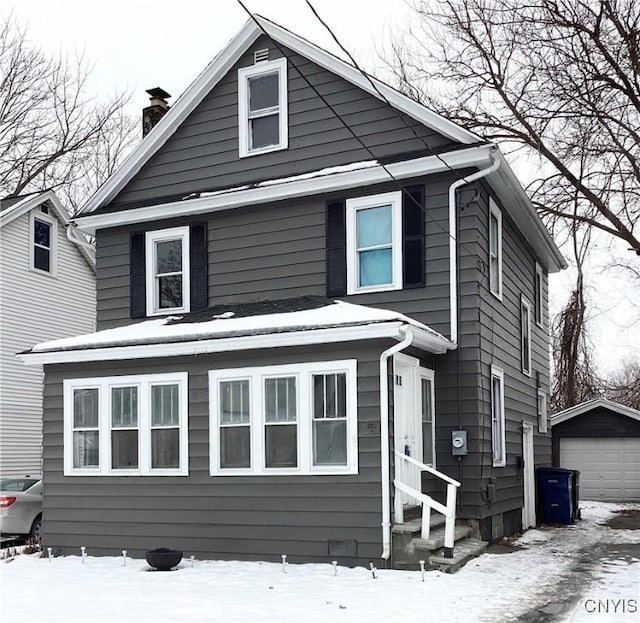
459	443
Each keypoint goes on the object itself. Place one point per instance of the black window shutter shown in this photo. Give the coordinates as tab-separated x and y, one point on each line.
198	266
138	286
336	242
413	243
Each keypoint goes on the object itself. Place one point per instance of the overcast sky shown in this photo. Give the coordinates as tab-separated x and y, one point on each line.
139	44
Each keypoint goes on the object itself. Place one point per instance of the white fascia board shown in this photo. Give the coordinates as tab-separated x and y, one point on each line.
350	73
585	407
183	107
28	203
472	156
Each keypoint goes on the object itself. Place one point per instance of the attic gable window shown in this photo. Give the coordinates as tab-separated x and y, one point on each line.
167	270
262	107
43	235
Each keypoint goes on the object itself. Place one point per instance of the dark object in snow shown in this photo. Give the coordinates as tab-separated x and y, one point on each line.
163	559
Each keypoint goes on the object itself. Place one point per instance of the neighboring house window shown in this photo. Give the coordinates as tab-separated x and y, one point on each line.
167	270
262	107
495	249
525	335
126	425
542	411
497	417
290	419
43	238
538	285
428	423
374	248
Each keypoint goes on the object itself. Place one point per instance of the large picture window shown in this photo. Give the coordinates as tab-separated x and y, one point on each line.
374	247
262	107
291	419
126	425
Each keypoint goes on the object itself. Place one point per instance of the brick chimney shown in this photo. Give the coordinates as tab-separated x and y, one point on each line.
157	109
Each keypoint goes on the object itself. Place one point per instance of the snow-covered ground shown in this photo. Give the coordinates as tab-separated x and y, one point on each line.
494	587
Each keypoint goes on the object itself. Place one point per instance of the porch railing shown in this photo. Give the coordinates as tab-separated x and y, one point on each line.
428	503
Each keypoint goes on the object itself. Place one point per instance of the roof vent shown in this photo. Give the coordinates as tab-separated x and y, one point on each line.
260	56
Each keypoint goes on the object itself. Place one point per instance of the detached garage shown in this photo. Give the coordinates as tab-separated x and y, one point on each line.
601	439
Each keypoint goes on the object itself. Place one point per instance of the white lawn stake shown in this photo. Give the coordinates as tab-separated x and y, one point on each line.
192	560
422	569
335	567
284	563
373	569
83	549
124	557
49	553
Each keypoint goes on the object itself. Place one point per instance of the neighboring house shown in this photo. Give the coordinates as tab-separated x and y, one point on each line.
601	439
283	328
47	291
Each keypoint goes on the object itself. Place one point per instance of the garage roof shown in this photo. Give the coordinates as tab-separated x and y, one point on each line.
590	405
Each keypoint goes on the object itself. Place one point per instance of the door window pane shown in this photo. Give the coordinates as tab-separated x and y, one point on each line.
427	423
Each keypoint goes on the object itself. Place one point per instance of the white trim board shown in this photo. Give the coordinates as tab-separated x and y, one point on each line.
585	407
219	67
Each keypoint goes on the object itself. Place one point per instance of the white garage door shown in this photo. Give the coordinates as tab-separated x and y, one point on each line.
609	468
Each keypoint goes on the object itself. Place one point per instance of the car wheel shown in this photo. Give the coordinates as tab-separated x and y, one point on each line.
36	529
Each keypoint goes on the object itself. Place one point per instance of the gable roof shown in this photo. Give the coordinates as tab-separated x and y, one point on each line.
590	405
29	202
221	65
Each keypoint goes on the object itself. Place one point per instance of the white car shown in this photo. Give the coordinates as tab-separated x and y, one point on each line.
21	507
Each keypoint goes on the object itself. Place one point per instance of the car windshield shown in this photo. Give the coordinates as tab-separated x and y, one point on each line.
17	484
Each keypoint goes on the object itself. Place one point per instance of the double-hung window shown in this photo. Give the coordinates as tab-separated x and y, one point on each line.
126	425
167	270
538	285
289	419
262	107
542	410
374	243
495	249
497	417
42	248
525	335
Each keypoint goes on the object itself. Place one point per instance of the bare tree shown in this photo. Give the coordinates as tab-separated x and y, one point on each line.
624	386
558	77
52	134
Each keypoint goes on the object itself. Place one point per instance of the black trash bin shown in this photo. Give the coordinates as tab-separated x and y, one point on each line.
557	495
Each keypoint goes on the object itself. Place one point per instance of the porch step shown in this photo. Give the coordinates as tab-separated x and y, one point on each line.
436	538
463	551
415	525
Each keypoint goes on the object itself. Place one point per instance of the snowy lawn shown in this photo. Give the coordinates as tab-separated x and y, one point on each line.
494	587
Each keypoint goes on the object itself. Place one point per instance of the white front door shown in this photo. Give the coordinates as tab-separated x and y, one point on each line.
529	508
407	420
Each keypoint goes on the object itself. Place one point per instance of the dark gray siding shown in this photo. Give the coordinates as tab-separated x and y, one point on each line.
277	250
599	422
203	152
223	517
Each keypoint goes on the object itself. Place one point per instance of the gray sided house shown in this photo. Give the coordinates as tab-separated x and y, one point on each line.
320	305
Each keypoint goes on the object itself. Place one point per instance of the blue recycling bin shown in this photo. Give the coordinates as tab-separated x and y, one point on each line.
557	495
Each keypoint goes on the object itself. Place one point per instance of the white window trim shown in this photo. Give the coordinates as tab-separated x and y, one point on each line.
428	374
498	373
394	199
151	238
541	408
104	385
539	298
525	356
53	240
495	288
304	395
244	73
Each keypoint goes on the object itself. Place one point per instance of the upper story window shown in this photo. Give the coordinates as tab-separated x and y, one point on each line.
525	335
538	285
126	425
374	243
542	410
43	235
262	107
498	444
289	419
167	271
495	249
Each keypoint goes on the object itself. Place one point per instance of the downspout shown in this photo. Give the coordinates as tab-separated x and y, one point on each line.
384	438
453	240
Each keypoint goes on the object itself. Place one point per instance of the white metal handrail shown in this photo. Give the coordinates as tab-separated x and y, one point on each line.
428	503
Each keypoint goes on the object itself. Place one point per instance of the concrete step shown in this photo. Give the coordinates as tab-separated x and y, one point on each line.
415	525
463	552
436	538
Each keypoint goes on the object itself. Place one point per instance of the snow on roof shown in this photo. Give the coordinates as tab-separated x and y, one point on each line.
220	324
